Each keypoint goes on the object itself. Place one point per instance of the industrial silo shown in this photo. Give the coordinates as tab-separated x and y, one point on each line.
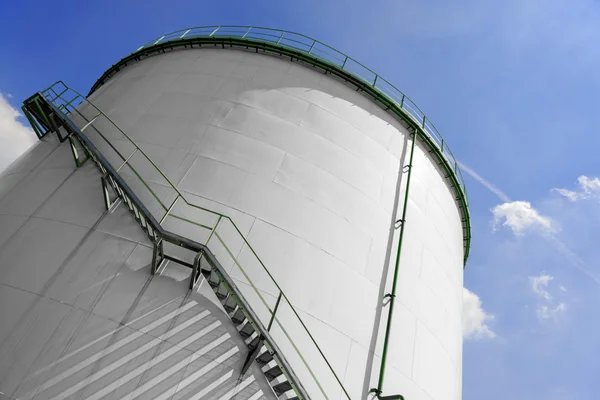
232	212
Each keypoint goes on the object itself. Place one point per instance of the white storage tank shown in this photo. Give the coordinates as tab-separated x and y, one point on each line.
275	149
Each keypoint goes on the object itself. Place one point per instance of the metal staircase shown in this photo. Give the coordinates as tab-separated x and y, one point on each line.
51	111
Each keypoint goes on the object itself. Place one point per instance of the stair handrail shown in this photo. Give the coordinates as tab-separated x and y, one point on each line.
70	103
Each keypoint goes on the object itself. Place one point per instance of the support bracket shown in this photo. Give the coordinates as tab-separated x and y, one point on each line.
391	397
79	162
252	355
108	201
158	255
196	273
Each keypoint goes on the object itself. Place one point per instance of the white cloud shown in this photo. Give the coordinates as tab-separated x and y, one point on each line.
520	216
545	307
474	318
15	137
545	312
539	285
589	188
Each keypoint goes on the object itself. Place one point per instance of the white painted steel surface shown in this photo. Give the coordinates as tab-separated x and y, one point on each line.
80	315
309	169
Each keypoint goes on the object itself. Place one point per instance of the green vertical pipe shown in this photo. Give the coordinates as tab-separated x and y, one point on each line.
392	295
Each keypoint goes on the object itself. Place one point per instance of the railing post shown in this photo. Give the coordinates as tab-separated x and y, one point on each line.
185	33
280	37
213	32
91	122
274	311
127	160
423	123
402	102
32	123
375	80
196	270
169	209
158	255
247	32
344	63
311	46
213	230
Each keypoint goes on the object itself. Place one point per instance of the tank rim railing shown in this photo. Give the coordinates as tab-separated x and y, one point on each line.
311	49
54	96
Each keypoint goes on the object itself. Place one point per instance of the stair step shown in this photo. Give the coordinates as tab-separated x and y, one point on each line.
282	387
238	316
251	338
267	366
291	395
246	329
273	373
253	341
221	290
264	357
229	303
213	279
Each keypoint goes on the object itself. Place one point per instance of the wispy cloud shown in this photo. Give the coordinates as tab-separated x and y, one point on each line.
546	308
520	217
589	188
474	318
547	312
539	285
492	188
15	137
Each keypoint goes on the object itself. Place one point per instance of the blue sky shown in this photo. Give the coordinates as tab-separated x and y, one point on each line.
513	87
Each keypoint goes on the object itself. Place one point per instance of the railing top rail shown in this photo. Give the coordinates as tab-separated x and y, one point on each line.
315	49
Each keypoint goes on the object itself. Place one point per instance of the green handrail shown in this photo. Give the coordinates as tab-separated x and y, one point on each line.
311	50
72	105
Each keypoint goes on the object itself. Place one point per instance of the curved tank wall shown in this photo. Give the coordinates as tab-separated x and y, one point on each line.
311	171
81	315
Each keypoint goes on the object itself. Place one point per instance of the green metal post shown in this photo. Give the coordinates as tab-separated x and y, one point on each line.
344	63
392	295
36	129
274	312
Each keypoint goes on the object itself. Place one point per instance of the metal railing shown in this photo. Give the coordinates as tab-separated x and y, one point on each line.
330	55
168	205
